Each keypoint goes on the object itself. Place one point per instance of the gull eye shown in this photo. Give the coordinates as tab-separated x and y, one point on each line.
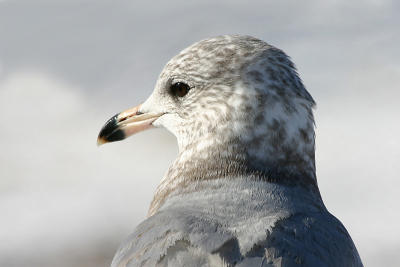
179	89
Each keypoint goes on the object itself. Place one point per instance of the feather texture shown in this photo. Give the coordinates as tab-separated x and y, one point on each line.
240	221
243	189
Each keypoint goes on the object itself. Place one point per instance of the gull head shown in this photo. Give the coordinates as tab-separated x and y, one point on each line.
230	95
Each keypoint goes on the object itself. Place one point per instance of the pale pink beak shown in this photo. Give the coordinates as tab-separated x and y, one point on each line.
125	124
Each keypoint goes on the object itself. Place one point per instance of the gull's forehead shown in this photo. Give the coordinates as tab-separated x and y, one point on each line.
221	57
234	61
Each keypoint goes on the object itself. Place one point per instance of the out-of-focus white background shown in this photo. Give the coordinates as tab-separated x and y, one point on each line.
67	66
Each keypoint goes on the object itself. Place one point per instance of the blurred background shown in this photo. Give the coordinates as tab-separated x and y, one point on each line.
67	66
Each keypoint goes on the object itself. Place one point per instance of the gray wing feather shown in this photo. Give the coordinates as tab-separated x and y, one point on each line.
317	239
168	232
300	240
234	226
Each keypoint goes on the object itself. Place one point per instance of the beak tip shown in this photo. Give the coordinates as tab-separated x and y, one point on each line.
101	141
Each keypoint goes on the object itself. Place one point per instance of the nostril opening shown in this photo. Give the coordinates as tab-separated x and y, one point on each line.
139	113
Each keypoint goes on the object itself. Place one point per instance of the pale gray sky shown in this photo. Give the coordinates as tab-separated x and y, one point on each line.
67	66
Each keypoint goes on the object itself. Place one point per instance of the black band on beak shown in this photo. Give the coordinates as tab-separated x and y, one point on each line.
111	131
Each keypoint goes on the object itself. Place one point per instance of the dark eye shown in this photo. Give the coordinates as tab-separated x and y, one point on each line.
180	89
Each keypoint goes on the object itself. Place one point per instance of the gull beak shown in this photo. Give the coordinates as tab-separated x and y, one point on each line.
125	124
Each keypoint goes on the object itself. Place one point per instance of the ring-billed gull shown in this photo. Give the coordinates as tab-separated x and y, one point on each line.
243	189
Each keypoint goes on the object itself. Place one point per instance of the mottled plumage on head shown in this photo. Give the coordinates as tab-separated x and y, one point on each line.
246	113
